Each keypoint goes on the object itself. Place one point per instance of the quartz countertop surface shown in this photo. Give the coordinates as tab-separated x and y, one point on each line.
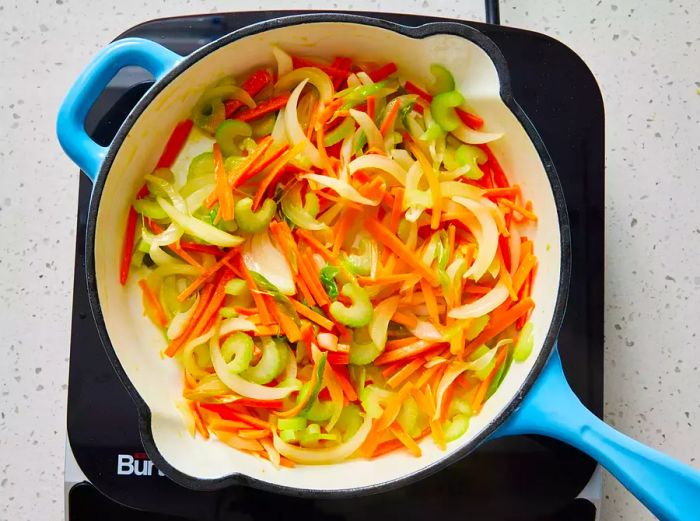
645	55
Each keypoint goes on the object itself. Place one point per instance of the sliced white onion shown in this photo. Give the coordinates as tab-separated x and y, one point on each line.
261	255
455	188
240	385
195	200
160	257
425	330
379	162
353	81
453	371
486	236
313	75
294	131
279	131
483	305
179	321
364	78
383	313
233	324
403	158
343	189
324	455
374	137
271	452
284	61
474	137
168	236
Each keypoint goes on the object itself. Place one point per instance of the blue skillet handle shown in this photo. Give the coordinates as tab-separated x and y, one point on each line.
70	127
668	488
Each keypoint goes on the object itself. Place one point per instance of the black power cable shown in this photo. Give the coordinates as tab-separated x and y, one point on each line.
493	15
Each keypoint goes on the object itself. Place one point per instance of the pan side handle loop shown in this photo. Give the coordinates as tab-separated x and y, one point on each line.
668	488
70	125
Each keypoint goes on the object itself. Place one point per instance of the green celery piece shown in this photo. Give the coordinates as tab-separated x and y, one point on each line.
238	351
271	364
249	221
444	81
359	313
443	109
228	134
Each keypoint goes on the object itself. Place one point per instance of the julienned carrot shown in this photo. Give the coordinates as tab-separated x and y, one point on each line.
405	439
287	323
198	421
258	166
175	143
214	304
248	169
278	234
393	406
310	278
223	192
386	279
347	219
316	245
175	344
406	319
257	297
430	301
428	374
264	107
415	349
153	303
175	247
206	275
309	313
519	209
386	447
391	241
202	248
480	394
405	372
400	342
128	248
390	118
425	405
497	193
527	264
271	178
499	322
303	399
396	210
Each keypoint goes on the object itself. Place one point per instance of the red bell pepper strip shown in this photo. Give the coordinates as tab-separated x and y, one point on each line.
203	248
253	85
499	177
128	249
263	108
382	72
344	64
298	62
469	119
337	358
175	143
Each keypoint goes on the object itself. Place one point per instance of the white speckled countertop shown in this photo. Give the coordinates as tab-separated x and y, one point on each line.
645	55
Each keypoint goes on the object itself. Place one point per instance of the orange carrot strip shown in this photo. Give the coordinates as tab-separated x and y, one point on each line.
405	319
427	374
309	275
405	372
393	406
312	315
213	306
275	173
257	297
504	276
396	210
424	404
430	301
267	330
247	168
415	349
499	322
303	400
527	264
341	229
341	375
312	121
316	245
391	241
390	118
511	191
228	425
279	235
287	324
517	208
198	421
370	444
253	434
387	447
223	192
404	438
400	342
177	343
480	394
153	303
175	247
396	366
206	275
259	165
438	434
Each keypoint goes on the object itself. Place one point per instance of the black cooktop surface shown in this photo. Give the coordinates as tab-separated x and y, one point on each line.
514	479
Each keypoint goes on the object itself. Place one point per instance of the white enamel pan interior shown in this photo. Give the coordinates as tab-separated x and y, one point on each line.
156	383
